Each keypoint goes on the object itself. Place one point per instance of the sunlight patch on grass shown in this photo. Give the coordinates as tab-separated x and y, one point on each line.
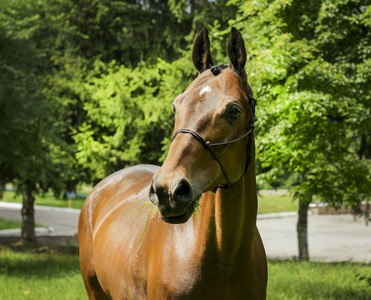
312	280
47	200
276	203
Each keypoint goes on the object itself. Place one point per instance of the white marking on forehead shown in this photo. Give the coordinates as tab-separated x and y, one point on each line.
206	89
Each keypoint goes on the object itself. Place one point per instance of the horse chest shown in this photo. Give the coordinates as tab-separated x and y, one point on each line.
167	265
175	261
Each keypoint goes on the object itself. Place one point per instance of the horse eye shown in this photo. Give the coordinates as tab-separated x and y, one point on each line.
234	112
173	107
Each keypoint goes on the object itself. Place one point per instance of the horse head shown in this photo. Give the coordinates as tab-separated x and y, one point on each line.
213	120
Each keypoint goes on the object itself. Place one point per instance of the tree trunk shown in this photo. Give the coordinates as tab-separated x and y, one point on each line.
302	230
28	216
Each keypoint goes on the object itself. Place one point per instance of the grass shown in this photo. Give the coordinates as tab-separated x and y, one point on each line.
10	224
196	206
52	272
310	280
276	203
47	199
140	210
40	272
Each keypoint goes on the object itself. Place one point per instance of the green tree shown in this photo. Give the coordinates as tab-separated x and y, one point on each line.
129	117
127	101
310	66
32	154
125	31
83	91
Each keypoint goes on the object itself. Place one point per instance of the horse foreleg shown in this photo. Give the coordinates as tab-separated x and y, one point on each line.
92	285
94	290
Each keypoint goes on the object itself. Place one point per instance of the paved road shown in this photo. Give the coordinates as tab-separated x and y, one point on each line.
62	221
331	237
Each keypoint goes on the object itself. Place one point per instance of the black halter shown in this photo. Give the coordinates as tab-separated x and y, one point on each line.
207	145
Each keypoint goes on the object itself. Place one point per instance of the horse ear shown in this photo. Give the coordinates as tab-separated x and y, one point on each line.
236	51
201	54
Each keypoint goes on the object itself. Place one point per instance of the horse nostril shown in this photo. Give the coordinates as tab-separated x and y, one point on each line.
183	191
152	193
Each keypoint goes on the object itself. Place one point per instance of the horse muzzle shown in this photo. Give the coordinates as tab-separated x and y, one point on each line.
175	202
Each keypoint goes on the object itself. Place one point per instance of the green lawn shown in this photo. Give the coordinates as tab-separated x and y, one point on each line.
47	199
310	280
267	204
41	272
276	203
9	224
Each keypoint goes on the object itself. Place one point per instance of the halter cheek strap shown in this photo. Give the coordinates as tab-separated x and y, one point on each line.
207	145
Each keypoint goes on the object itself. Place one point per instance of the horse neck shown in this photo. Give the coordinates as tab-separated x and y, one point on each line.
229	218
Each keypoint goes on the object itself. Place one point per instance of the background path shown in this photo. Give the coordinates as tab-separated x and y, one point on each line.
61	223
331	238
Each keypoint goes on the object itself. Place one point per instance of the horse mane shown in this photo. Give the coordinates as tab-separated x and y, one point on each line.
216	70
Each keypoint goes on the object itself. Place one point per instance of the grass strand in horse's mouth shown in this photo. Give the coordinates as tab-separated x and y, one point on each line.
149	216
195	207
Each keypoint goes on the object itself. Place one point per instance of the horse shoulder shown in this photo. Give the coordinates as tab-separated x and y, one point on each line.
121	183
109	212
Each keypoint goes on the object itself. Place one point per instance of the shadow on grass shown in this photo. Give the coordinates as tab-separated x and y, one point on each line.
38	261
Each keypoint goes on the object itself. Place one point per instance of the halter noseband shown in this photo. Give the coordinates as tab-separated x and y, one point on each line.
207	145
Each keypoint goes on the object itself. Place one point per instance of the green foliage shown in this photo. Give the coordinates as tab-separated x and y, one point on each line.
128	117
309	64
33	152
57	60
126	31
86	87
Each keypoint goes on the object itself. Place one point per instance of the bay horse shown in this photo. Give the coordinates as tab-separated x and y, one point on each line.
216	254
